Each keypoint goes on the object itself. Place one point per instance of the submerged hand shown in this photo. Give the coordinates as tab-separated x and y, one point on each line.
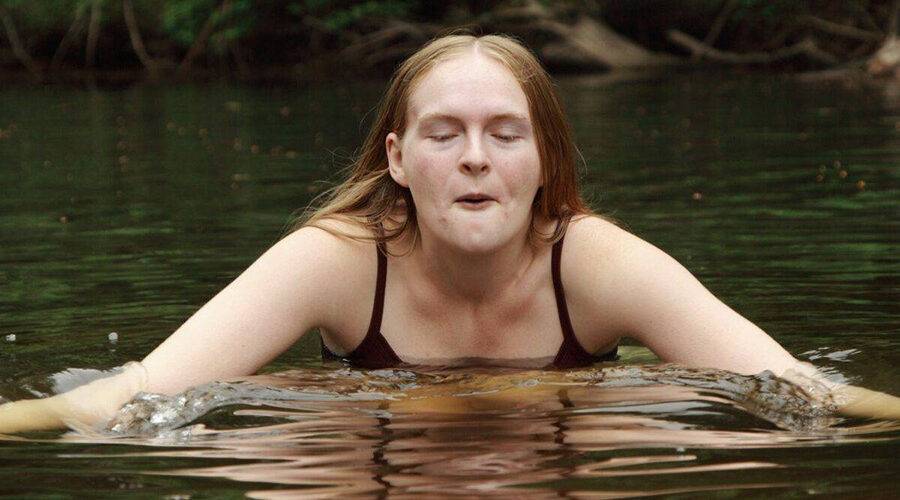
865	403
88	405
848	400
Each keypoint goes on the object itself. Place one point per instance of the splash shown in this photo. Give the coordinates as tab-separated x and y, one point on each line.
390	392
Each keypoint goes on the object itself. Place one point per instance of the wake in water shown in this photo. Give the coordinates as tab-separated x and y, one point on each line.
478	391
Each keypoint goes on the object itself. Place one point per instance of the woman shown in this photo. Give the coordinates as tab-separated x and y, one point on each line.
460	237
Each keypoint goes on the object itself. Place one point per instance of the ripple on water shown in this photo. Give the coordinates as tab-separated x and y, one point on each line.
338	432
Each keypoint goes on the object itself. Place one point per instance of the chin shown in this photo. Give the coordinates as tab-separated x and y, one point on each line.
479	246
480	240
478	233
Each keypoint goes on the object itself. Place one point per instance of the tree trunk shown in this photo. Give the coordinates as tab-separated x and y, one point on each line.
16	44
137	43
66	42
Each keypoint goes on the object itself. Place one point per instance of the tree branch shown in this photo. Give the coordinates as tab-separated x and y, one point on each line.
390	43
200	42
699	50
720	21
841	29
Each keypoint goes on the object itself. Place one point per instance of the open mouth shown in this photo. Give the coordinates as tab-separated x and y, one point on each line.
474	200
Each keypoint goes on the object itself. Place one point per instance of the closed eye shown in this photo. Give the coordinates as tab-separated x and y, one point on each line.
506	138
442	138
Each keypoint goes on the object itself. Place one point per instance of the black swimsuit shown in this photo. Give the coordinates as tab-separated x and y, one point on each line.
375	352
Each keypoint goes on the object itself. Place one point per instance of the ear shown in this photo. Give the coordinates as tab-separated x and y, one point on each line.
395	157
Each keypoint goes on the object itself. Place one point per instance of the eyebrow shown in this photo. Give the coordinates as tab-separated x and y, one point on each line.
431	117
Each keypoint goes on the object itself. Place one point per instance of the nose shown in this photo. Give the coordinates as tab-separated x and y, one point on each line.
474	160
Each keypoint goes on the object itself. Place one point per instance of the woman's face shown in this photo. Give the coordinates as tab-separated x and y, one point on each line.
468	155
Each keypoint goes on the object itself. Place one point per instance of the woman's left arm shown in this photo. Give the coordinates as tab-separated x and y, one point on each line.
662	305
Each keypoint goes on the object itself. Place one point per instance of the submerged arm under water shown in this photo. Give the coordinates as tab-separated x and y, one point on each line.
89	405
92	405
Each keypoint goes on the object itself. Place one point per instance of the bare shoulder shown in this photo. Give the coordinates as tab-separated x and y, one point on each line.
605	269
592	240
601	253
328	239
331	262
331	249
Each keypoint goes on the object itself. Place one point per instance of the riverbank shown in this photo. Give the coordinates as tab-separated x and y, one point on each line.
102	40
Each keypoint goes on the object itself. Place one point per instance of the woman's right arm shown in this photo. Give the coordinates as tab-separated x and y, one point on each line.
259	315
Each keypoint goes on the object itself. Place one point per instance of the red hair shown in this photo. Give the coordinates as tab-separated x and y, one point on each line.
369	197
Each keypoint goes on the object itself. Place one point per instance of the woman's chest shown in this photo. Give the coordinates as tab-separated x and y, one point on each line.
429	328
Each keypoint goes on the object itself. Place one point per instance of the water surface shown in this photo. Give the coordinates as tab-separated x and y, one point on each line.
125	209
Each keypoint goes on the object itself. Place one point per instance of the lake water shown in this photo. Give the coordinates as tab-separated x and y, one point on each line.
123	210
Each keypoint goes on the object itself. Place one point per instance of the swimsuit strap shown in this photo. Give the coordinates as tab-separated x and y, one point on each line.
378	306
374	350
571	353
561	308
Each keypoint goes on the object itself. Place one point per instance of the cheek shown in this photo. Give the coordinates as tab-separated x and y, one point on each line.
427	175
523	176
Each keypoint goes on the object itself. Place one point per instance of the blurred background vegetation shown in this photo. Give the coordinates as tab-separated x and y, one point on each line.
308	38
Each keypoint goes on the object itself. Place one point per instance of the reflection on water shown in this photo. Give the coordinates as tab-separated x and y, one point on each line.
331	432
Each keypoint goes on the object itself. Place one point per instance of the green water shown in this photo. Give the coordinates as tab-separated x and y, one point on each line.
123	210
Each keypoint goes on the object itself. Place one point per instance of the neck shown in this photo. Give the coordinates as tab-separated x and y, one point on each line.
473	278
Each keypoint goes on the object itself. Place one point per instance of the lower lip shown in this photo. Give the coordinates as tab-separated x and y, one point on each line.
474	205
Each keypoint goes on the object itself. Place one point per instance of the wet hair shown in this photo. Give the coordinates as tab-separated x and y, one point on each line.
370	197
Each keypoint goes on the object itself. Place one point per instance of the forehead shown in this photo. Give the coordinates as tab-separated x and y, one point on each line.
469	85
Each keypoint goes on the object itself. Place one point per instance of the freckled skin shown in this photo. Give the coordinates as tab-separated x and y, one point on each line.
468	130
